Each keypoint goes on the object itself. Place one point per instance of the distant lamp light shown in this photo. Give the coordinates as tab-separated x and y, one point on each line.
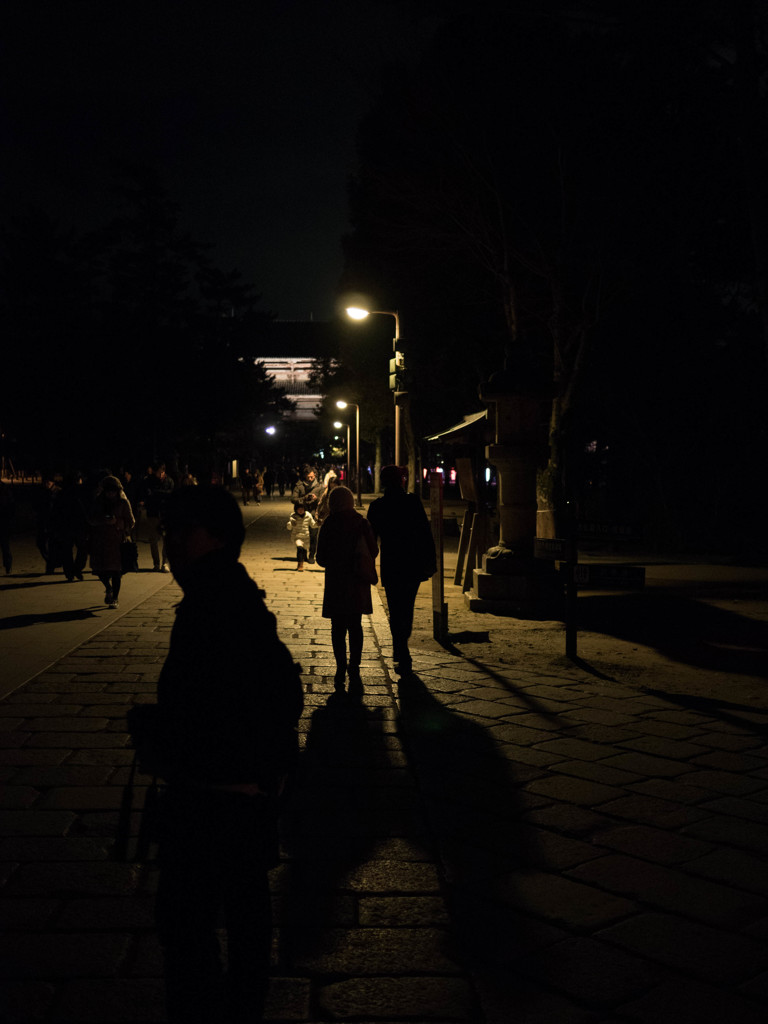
357	313
341	404
270	430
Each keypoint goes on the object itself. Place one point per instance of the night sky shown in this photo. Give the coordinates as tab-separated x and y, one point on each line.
247	110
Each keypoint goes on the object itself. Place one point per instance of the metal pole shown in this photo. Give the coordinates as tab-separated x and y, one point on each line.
349	460
397	397
357	456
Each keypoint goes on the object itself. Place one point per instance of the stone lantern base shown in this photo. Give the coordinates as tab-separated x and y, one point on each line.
522	586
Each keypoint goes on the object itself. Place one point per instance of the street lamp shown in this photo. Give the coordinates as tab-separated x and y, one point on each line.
358	313
338	425
343	405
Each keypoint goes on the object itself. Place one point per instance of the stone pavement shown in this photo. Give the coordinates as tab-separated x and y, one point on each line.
505	838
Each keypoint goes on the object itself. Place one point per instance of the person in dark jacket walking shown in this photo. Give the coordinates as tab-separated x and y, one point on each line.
228	701
7	511
110	521
407	556
156	487
346	549
69	520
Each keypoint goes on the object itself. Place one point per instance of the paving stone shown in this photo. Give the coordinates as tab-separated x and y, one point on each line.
597	771
74	880
32	710
58	955
107	913
648	765
18	796
116	1001
82	798
62	775
51	848
74	740
403	911
674	790
573	790
724	781
27	914
688	946
668	748
683	1001
35	823
372	951
592	972
561	900
432	998
739	808
734	868
570	819
392	876
731	831
671	890
653	844
652	811
512	999
731	741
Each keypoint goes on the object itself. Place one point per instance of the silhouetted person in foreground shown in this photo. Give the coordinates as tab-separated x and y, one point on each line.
225	741
347	550
407	556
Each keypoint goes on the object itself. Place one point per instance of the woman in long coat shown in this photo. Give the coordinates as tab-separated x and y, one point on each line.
110	521
346	548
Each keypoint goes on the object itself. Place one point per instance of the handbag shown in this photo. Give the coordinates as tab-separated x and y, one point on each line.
129	555
364	564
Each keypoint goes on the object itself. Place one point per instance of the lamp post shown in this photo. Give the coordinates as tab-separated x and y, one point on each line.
343	405
357	313
338	425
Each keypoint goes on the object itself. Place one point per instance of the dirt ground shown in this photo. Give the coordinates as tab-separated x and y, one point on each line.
698	630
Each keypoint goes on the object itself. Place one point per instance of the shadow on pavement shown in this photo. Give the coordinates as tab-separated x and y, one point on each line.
347	806
745	716
680	628
474	807
74	615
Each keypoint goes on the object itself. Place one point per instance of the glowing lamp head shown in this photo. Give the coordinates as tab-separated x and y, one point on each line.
341	404
356	313
270	430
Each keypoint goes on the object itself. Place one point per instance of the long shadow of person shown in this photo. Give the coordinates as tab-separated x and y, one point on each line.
347	808
474	804
686	630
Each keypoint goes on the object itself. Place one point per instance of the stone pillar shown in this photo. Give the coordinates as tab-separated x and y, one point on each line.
511	581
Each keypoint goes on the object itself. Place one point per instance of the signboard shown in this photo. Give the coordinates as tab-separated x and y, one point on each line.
609	577
587	529
466	479
551	547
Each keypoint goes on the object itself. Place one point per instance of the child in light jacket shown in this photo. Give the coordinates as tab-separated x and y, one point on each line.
300	524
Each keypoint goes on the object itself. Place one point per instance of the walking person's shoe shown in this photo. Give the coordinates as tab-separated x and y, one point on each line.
108	596
300	566
355	681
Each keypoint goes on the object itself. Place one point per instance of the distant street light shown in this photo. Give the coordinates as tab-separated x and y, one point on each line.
270	430
357	313
343	405
338	424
